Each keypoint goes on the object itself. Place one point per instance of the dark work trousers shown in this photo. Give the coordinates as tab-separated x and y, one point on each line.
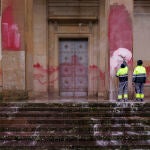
139	87
123	88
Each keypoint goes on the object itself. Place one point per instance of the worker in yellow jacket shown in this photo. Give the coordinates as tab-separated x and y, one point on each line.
122	74
139	78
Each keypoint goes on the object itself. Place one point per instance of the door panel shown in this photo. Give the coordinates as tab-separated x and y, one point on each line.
81	69
73	61
66	76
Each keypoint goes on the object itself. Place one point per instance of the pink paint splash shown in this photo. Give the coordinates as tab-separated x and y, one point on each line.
120	36
120	28
11	39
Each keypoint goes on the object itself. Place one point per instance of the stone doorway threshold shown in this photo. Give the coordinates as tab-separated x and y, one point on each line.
67	100
80	100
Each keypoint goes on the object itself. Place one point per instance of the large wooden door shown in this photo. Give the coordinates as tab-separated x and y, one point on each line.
73	60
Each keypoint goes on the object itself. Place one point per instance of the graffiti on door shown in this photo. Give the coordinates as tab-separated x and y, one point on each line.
73	59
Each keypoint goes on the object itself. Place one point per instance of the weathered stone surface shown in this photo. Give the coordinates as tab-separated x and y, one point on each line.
13	70
74	126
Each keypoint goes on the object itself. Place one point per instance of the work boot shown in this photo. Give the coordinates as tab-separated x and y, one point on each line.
142	100
119	100
125	100
137	99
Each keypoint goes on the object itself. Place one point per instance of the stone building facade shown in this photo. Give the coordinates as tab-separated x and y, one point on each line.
71	48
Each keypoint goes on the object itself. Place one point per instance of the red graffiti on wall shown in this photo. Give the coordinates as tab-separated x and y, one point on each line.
120	37
148	74
40	73
99	73
11	39
120	28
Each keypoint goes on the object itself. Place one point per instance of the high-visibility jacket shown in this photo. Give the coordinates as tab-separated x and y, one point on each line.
122	73
139	74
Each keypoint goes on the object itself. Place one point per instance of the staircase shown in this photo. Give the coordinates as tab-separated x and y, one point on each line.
72	126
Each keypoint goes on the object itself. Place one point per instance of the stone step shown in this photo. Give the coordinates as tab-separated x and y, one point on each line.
7	114
81	105
77	110
78	131
90	145
80	128
73	138
77	123
72	109
49	136
76	120
74	126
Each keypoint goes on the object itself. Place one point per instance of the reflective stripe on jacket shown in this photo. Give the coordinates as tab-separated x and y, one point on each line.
139	74
122	73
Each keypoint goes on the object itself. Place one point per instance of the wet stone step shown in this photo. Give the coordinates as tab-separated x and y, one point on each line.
69	147
50	139
32	143
49	135
124	144
79	121
27	104
76	145
72	109
84	119
74	131
79	128
61	147
74	126
73	114
80	108
75	109
54	147
81	105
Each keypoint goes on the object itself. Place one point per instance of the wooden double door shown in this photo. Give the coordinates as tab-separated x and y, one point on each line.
73	62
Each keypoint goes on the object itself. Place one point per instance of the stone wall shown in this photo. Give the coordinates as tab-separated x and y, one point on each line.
141	38
13	49
31	29
40	48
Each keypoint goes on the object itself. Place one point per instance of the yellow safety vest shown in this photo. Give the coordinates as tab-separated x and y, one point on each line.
122	73
139	74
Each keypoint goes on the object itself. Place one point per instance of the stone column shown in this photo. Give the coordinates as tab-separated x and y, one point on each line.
120	34
103	87
29	45
41	71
